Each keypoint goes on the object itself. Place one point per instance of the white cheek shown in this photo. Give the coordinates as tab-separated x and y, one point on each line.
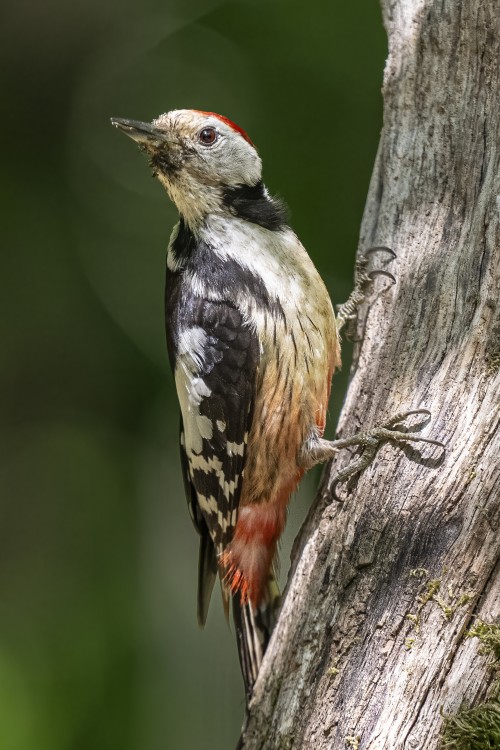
240	163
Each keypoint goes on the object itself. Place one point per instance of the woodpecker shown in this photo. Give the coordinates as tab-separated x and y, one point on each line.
253	343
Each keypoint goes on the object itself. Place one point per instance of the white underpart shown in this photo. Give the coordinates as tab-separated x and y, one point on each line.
277	257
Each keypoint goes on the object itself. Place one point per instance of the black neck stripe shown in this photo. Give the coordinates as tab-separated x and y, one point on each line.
251	202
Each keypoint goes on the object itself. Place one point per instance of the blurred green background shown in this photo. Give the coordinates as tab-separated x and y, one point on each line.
99	646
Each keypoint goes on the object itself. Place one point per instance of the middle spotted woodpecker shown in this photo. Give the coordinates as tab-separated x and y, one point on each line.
253	344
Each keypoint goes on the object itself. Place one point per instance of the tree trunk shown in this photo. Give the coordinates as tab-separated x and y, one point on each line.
370	648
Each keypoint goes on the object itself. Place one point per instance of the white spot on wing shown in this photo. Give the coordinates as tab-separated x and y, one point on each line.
205	427
223	522
235	449
205	464
191	391
191	348
228	488
208	504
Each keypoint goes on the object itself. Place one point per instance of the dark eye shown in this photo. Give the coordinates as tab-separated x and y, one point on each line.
207	136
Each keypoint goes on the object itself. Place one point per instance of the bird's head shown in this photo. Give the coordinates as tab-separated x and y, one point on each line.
197	156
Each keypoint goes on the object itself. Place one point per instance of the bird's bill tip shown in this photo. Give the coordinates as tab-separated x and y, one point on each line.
141	132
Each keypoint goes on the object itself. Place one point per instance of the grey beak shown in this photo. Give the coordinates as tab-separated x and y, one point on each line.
141	132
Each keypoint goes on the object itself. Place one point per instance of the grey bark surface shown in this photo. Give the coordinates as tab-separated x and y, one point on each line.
370	647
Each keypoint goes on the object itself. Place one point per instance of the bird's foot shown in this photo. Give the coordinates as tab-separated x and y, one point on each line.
369	441
363	282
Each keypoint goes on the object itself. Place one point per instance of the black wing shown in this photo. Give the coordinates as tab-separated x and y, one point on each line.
216	360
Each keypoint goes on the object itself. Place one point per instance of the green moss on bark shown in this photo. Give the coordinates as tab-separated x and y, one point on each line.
478	728
475	728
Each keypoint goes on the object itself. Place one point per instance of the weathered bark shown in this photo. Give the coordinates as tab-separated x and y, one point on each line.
370	648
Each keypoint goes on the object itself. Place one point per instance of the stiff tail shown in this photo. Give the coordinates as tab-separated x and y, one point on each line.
207	573
254	625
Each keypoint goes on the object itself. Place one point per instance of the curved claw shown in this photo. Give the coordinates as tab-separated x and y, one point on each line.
415	438
403	436
405	414
379	272
381	248
433	442
409	413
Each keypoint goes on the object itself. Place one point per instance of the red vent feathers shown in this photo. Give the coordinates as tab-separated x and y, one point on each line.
229	122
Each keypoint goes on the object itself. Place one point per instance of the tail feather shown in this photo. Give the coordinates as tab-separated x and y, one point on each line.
254	623
207	573
254	626
226	596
